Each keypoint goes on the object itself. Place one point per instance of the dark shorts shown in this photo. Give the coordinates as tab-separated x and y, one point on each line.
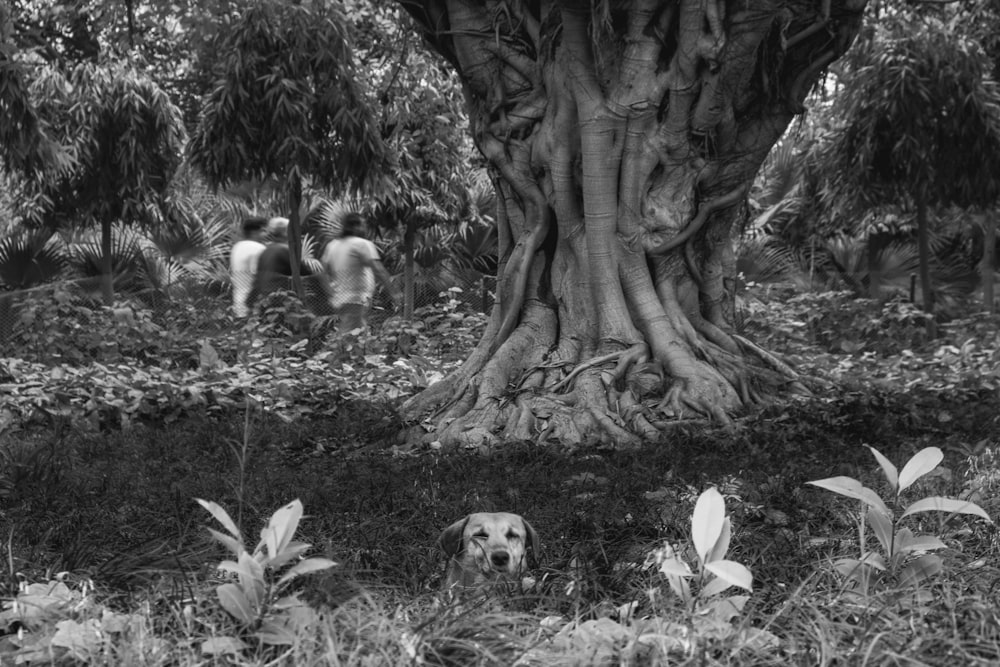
352	316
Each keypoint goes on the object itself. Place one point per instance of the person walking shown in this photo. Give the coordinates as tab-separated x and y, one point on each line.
353	265
274	269
243	261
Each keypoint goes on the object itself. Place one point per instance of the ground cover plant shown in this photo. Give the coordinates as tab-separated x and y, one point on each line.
108	558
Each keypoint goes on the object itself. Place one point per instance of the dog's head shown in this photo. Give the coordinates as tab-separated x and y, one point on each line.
490	546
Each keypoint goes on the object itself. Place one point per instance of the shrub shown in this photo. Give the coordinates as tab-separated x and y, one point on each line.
74	329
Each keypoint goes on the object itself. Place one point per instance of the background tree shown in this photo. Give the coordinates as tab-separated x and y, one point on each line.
126	138
922	126
287	104
623	137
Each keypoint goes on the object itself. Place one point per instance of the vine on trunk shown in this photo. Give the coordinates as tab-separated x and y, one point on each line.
622	141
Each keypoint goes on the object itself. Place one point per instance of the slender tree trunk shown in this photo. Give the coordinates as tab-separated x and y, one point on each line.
875	246
622	145
989	256
409	238
923	243
295	236
107	279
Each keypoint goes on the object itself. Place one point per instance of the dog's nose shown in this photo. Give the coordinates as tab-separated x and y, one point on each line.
500	558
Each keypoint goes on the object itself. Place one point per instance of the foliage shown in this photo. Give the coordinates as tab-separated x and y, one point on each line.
90	485
126	137
904	560
73	331
29	258
839	322
59	623
947	152
707	616
256	599
287	101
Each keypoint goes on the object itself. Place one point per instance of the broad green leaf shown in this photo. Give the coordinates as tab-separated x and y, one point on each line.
939	504
714	587
233	600
306	566
725	609
919	465
882	527
281	527
706	522
251	575
674	567
223	646
891	474
735	573
221	516
230	543
920	543
291	552
920	569
721	547
275	632
681	587
852	488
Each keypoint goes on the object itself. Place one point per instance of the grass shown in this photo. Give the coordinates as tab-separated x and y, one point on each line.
116	508
111	513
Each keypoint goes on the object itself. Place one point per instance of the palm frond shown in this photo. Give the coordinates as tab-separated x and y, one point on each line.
761	261
30	258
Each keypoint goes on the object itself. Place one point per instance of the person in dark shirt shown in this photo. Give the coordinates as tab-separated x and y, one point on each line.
274	267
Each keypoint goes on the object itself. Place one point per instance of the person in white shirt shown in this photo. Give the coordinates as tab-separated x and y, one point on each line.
353	265
243	262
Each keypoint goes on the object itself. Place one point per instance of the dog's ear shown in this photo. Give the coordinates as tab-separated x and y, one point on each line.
450	540
532	534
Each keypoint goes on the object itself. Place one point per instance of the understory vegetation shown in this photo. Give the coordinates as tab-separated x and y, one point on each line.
116	420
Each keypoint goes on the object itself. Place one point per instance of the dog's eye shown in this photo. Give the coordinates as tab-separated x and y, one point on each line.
513	536
480	535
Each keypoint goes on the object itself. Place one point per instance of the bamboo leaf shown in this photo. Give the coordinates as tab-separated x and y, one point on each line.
919	465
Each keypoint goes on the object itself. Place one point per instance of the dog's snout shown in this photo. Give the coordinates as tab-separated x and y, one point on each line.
500	558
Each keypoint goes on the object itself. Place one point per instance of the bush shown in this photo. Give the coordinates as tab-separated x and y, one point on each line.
74	329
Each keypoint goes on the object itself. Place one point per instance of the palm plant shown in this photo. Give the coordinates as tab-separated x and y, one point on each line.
30	257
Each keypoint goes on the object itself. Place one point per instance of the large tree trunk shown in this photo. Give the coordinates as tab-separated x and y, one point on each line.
622	144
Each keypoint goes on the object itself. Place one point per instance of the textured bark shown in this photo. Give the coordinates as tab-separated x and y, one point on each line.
622	138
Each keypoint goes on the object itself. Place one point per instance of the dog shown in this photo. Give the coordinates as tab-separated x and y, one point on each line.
487	548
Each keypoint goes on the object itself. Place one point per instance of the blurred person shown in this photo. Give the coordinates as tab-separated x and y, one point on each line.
244	259
274	268
353	265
